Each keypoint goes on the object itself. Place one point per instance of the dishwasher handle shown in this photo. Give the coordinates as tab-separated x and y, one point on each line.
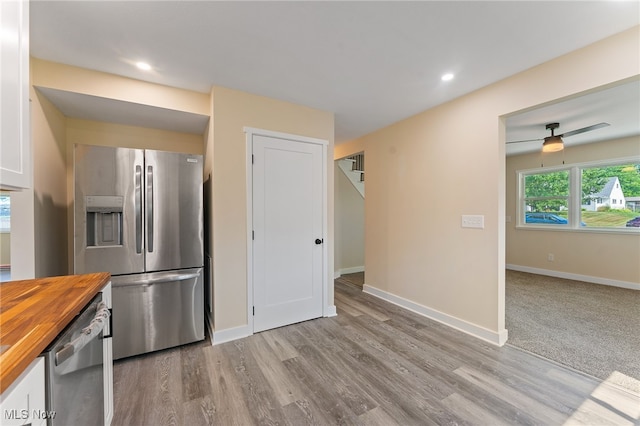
87	334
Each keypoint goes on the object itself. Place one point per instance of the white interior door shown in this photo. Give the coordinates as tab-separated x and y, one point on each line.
288	231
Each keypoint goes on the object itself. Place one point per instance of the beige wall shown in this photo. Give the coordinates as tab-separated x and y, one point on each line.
5	248
110	134
49	172
349	216
349	148
601	255
423	173
233	111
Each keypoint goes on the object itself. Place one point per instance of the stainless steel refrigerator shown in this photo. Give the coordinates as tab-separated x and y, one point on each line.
138	215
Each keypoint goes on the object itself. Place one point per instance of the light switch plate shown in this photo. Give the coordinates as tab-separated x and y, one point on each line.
473	221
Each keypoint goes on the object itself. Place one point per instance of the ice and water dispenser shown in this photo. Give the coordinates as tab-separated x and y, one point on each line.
104	220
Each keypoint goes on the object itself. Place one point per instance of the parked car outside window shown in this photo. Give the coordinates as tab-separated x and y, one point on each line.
635	222
547	218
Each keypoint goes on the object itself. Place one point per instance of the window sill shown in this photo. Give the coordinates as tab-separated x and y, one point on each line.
560	228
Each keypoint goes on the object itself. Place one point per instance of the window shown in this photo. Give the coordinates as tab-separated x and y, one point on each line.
615	182
581	196
5	213
546	198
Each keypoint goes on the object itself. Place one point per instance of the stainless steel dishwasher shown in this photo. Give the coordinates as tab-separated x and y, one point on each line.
75	371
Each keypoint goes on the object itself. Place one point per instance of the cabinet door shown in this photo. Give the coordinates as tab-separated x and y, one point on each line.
23	402
15	139
108	362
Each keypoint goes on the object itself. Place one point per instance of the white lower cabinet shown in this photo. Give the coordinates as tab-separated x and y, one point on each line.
108	362
23	403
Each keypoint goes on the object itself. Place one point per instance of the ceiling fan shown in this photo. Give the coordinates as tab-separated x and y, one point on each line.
554	142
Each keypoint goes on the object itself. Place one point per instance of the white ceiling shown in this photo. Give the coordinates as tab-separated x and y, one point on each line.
371	63
619	106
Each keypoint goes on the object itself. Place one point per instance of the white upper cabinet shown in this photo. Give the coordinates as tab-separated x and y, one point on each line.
15	142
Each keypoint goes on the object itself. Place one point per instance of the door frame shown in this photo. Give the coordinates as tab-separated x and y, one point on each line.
250	132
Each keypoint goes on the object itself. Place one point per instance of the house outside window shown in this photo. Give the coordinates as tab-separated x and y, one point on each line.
588	196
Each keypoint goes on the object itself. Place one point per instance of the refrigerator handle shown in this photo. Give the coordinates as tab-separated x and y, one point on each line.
150	208
138	209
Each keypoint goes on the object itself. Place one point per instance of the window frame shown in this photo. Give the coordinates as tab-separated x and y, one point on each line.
574	198
523	198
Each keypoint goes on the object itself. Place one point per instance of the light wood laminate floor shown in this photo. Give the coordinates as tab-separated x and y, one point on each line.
373	364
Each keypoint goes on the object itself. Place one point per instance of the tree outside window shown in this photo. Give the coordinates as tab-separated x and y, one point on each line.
546	193
582	196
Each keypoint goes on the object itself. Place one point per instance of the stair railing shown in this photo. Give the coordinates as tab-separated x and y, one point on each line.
358	164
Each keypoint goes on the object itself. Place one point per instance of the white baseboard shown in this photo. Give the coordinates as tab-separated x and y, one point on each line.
242	331
230	334
496	338
336	274
351	270
331	311
576	277
235	333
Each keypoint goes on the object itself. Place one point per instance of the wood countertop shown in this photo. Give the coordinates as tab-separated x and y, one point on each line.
34	312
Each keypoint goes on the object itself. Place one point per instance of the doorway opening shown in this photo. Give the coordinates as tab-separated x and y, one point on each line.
350	216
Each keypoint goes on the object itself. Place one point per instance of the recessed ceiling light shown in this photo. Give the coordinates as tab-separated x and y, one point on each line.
143	66
447	77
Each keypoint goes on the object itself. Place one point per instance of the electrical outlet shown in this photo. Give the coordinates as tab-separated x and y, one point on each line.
550	257
473	221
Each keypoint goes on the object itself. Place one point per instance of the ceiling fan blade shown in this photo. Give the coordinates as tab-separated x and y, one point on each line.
526	140
584	129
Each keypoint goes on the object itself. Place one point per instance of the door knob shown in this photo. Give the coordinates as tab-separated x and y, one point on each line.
318	241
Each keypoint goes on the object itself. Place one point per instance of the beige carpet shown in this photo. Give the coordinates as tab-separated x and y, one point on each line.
589	327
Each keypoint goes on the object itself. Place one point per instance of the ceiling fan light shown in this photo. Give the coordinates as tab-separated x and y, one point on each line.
552	144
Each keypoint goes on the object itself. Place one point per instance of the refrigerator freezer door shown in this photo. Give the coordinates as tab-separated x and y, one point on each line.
173	217
157	311
108	210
